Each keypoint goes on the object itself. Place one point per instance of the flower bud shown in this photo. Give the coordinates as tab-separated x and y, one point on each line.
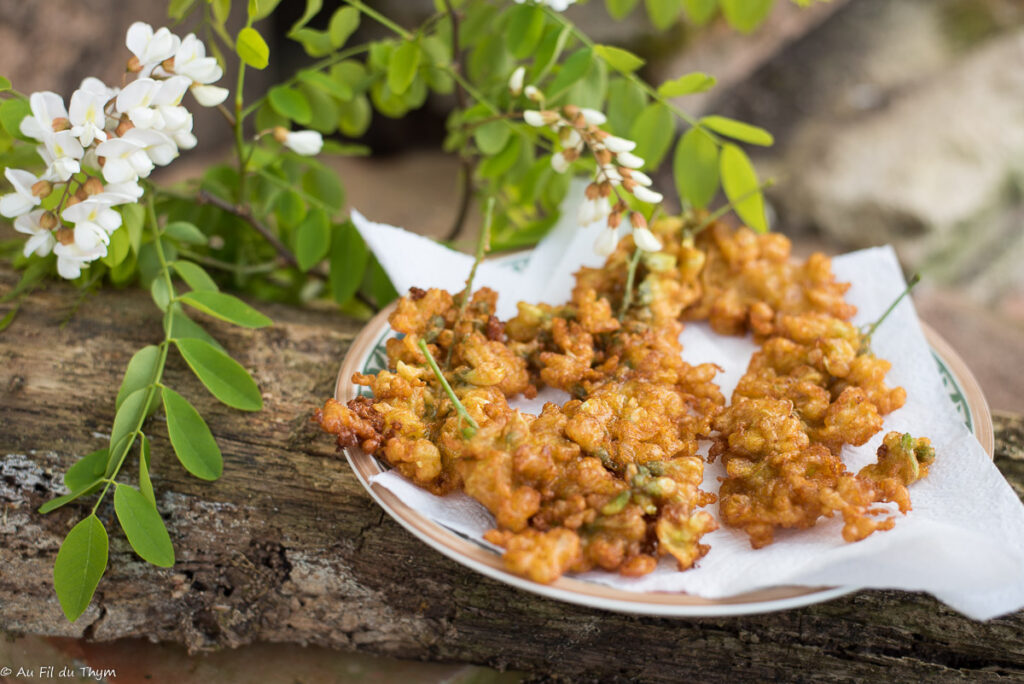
606	189
593	117
134	65
48	221
620	206
540	118
644	239
570	111
280	134
571	155
515	81
614	220
629	160
123	127
72	201
628	184
65	236
93	186
592	192
559	163
42	188
603	157
647	195
81	195
533	93
61	123
571	139
637	220
638	176
606	243
617	144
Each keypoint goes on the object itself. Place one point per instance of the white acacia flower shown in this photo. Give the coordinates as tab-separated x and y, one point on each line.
306	143
87	117
40	239
611	174
617	145
21	201
593	117
606	242
71	258
593	210
534	93
94	223
93	85
151	47
644	239
559	163
119	193
645	194
640	177
629	160
557	5
515	81
46	107
126	158
571	139
209	95
144	99
191	61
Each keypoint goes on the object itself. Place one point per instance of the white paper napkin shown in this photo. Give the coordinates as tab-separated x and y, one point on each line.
964	540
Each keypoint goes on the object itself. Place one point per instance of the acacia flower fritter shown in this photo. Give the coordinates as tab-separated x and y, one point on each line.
616	172
119	135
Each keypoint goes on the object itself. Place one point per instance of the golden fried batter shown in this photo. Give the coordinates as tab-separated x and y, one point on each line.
612	478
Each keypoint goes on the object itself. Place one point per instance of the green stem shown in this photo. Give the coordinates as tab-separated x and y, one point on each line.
627	296
164	348
380	18
239	138
483	244
459	408
866	339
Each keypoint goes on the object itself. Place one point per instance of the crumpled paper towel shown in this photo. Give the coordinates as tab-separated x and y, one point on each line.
964	540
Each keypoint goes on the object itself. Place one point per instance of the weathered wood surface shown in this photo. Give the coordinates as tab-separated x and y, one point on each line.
287	547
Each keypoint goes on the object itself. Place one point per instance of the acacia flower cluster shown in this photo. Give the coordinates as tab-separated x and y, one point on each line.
617	169
98	147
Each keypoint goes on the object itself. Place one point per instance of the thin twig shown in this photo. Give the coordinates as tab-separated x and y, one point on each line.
466	161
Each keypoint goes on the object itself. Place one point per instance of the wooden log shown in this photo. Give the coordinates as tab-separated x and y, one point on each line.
287	546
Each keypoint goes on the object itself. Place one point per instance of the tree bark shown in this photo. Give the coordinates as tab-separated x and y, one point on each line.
287	546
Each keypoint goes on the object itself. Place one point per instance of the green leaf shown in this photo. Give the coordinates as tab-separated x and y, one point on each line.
80	564
11	113
315	43
117	250
290	208
5	84
653	131
405	60
323	184
663	13
185	232
626	100
491	137
619	59
221	374
225	307
179	8
145	484
700	11
377	283
737	130
332	86
261	9
129	416
524	29
191	438
548	52
221	12
572	70
354	117
54	504
344	23
291	103
739	180
143	526
141	372
86	470
695	167
181	326
618	9
132	218
348	262
697	82
312	9
194	276
251	47
9	317
745	15
312	239
161	293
